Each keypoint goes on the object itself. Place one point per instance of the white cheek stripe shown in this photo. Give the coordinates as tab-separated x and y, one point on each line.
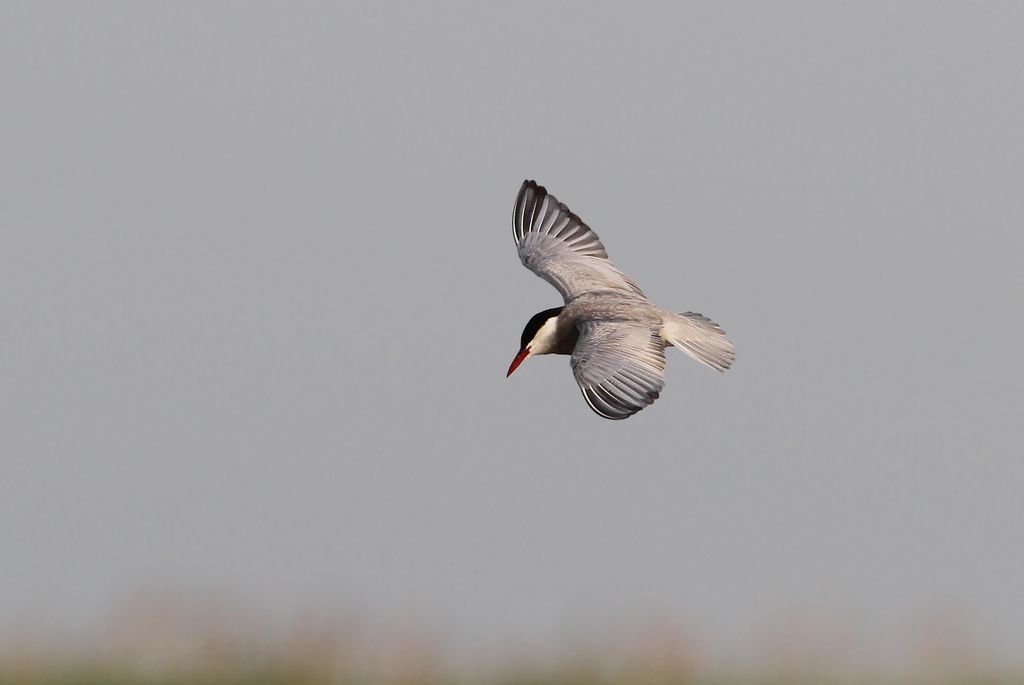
544	339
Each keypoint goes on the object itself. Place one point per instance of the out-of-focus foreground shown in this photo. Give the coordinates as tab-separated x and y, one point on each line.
302	666
166	640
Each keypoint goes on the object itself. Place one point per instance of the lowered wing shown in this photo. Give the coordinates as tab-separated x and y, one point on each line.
619	365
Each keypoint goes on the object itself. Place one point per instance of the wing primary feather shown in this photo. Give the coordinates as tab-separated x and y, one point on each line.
558	246
592	400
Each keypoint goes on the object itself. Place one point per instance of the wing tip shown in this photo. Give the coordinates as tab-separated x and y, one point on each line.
529	192
590	400
615	408
526	212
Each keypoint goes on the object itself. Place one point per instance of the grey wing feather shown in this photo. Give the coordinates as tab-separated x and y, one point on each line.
556	245
619	366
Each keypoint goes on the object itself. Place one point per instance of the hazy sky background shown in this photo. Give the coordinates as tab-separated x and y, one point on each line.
258	295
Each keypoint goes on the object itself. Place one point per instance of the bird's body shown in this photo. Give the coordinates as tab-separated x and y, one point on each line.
616	336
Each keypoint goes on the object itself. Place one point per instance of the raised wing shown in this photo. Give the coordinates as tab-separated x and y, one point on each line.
556	245
619	365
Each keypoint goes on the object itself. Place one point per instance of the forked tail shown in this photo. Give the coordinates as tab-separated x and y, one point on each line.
699	337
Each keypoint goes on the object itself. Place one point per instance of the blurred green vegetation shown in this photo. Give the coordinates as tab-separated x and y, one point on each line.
167	640
286	673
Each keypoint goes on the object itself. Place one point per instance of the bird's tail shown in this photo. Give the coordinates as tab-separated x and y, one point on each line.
699	337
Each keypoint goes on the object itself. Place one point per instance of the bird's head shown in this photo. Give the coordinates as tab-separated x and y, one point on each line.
539	337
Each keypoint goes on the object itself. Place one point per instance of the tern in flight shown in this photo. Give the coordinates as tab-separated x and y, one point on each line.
615	336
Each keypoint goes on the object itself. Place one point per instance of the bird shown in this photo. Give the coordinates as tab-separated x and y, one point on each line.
615	337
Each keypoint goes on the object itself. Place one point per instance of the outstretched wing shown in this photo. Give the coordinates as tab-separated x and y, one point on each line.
556	245
619	365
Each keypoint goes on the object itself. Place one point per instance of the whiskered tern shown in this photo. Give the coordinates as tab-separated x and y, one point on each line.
615	336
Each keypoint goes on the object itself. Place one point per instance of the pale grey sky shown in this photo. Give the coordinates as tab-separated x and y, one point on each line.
259	292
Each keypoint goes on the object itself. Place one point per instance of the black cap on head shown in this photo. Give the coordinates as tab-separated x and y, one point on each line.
534	324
